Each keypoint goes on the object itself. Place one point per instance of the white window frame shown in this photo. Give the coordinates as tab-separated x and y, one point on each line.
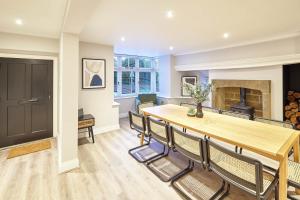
119	69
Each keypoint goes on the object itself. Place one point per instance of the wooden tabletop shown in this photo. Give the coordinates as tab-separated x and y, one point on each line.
268	140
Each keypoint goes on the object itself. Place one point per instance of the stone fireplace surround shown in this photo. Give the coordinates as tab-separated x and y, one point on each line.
218	92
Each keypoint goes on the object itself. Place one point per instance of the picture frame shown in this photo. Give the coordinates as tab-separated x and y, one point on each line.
93	73
187	79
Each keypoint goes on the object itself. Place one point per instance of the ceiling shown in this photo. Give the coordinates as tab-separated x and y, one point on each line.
40	17
198	25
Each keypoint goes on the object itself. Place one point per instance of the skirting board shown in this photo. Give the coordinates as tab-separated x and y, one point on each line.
100	130
68	165
123	115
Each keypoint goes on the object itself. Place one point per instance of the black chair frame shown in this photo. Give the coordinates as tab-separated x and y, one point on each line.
192	158
253	189
141	130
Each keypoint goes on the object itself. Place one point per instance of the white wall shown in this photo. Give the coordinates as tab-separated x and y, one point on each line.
126	104
25	44
273	73
99	102
169	78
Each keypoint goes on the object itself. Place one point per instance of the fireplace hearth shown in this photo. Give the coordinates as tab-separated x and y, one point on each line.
242	106
227	95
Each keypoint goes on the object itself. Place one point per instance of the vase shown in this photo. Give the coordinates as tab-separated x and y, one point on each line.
199	112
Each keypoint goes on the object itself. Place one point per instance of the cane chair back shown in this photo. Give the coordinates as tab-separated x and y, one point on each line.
158	130
186	144
244	172
236	114
274	122
137	122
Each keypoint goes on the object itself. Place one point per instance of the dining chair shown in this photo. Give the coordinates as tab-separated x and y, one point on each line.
160	132
190	147
142	153
293	176
274	122
236	114
242	171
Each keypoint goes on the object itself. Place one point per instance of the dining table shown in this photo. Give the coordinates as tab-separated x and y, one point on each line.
268	140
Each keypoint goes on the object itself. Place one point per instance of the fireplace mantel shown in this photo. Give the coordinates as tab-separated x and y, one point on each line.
264	86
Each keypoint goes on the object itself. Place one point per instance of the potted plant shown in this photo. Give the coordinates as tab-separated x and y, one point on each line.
199	94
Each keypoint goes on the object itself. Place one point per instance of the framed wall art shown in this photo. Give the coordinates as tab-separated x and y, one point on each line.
93	73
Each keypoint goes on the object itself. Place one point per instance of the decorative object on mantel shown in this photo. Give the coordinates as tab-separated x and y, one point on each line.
190	80
93	73
199	93
292	112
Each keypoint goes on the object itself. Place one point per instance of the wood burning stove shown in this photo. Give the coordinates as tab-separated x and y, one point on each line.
242	107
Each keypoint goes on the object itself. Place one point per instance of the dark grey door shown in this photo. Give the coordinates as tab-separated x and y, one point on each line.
25	100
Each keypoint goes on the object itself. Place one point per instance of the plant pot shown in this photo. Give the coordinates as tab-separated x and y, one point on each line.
199	112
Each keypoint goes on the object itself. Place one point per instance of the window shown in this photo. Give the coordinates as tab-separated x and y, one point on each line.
134	75
115	81
128	82
145	82
157	81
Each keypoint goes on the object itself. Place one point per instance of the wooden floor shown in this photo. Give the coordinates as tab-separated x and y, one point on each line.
106	172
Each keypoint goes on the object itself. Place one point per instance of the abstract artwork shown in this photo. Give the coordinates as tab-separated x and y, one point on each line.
187	79
93	73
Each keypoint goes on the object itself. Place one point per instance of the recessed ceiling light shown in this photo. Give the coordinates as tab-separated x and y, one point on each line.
123	39
169	14
19	22
171	48
225	35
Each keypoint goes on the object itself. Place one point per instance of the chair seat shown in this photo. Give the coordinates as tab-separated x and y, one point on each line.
294	172
241	169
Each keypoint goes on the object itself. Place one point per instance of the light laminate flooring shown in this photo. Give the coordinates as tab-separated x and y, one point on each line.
107	172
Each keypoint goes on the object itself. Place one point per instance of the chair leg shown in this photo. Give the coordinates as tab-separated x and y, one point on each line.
89	132
219	191
138	147
226	192
92	133
176	176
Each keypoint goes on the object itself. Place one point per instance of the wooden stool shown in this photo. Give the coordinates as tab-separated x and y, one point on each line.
87	121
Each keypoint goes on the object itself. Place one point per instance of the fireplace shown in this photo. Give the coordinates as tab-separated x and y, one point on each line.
242	106
248	96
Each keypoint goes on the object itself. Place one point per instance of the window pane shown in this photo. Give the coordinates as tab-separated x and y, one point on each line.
145	63
124	62
157	81
145	82
115	62
115	81
131	62
128	82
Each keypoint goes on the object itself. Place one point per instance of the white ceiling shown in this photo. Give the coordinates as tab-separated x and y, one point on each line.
198	25
40	17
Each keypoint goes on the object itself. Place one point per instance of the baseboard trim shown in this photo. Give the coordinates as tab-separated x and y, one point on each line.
100	130
68	165
123	115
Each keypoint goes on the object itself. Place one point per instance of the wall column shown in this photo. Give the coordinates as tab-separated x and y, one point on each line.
67	140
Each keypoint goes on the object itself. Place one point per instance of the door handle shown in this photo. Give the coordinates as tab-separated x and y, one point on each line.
33	100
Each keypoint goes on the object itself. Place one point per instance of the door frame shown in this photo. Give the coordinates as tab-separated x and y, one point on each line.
55	82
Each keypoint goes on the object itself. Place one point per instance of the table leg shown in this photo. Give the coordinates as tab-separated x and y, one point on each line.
142	138
296	157
283	172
